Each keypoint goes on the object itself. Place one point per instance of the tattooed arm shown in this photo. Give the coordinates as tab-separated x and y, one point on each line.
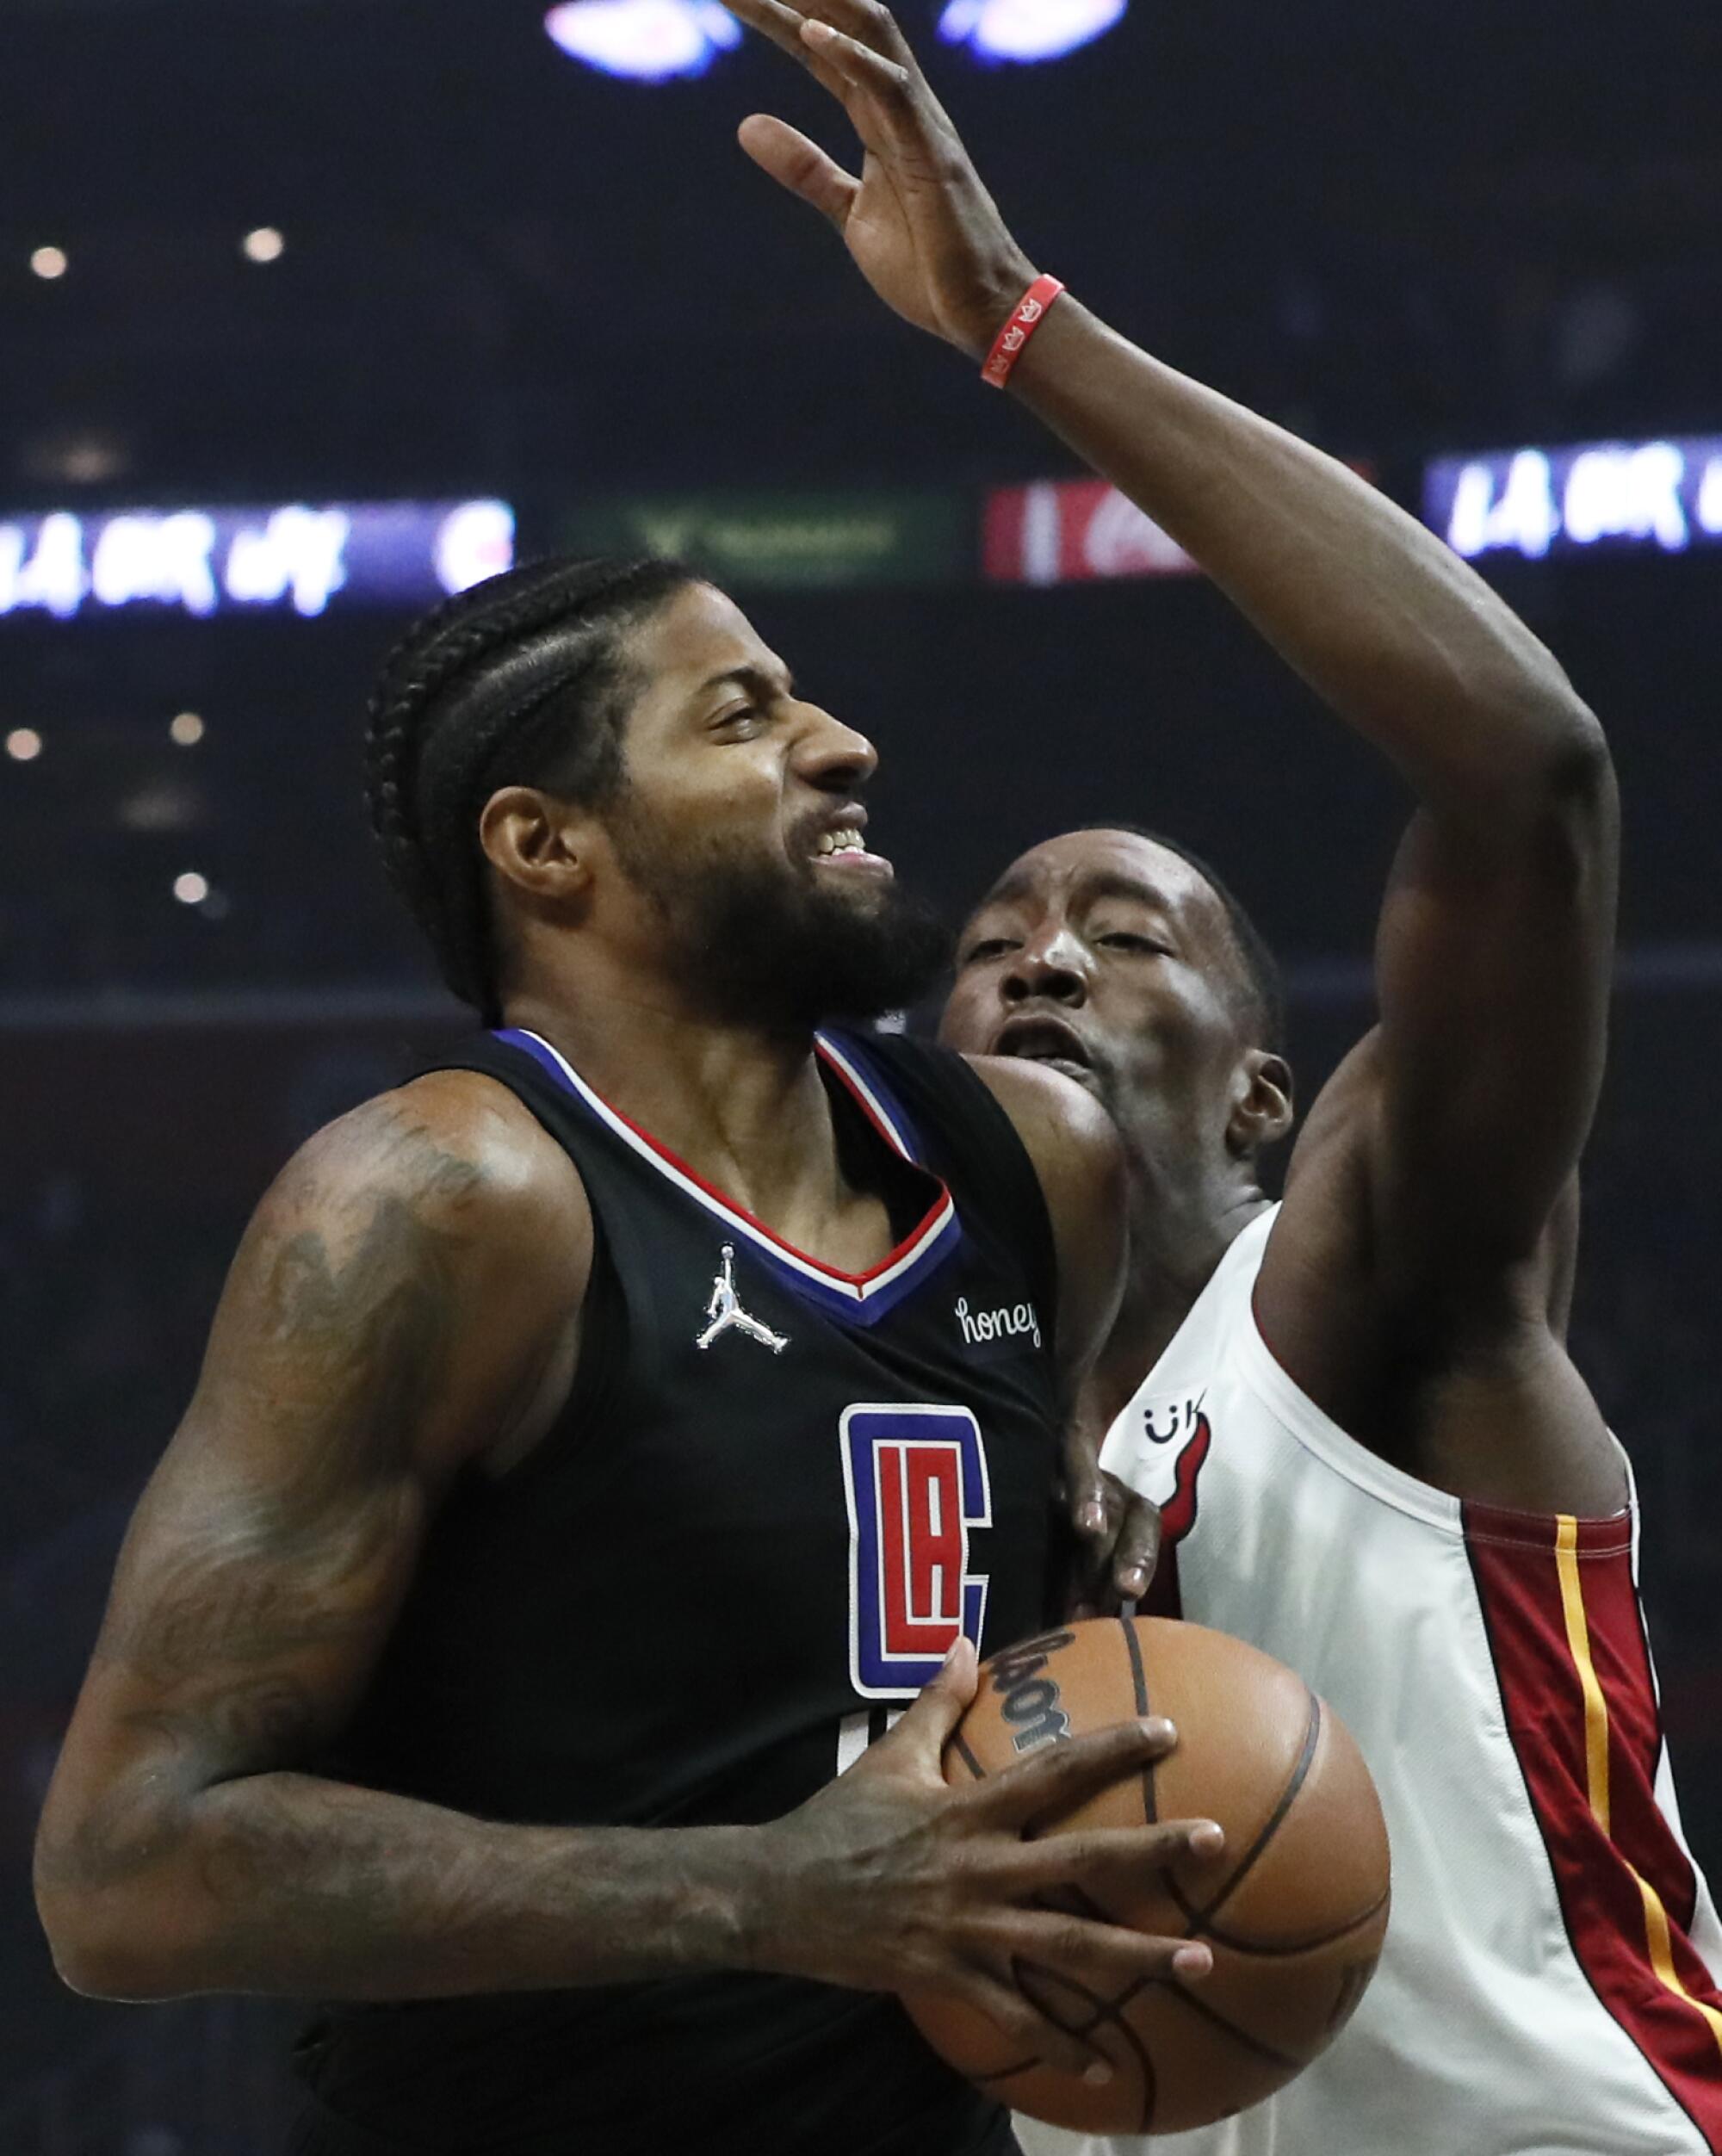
405	1302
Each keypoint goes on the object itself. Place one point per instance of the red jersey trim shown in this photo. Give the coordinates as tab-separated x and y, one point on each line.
926	1241
1561	1610
929	1221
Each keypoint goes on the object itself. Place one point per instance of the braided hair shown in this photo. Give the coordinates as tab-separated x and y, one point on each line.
513	683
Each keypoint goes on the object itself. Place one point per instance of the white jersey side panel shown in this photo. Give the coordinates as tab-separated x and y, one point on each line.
1547	1987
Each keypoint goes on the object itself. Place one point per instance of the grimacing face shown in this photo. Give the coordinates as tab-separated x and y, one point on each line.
722	751
742	830
1110	958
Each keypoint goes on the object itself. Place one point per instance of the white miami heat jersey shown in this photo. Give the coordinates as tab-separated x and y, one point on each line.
1548	1983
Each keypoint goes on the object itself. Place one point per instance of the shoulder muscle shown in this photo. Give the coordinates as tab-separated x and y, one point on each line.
413	1253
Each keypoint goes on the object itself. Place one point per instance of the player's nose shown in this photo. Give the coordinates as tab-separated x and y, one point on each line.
1052	964
832	755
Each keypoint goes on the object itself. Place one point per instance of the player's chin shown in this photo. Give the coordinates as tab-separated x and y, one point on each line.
852	876
849	893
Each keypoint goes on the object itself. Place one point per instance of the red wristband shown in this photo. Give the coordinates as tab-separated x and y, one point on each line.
1023	320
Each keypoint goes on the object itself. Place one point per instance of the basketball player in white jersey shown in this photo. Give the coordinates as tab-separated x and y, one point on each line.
1375	1458
1375	1461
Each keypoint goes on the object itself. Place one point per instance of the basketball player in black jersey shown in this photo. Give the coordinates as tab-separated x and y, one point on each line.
600	1439
652	1284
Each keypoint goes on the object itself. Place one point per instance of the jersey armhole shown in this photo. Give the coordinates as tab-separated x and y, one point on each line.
604	1313
593	1396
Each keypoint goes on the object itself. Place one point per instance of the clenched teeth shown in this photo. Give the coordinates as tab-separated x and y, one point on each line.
846	840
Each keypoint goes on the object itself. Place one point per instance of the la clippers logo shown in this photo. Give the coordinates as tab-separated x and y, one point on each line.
916	1480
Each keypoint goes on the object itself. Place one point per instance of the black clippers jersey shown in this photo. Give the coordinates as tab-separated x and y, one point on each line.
777	1495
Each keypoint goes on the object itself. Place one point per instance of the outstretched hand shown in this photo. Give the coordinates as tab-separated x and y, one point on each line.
922	229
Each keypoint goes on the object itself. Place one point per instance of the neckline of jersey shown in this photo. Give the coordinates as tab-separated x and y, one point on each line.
932	1232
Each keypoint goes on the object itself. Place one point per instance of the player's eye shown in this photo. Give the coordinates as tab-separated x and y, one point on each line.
1123	940
988	947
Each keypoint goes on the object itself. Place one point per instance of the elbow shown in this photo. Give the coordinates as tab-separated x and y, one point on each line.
100	1955
1536	759
1577	765
1568	798
96	1978
113	1933
1580	789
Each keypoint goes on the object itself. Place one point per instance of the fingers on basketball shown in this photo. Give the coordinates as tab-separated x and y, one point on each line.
1291	1910
1049	1780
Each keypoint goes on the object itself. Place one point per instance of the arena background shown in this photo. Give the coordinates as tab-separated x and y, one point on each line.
497	275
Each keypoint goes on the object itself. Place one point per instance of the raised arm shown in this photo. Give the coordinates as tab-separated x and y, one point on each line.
1470	1105
406	1302
1466	1114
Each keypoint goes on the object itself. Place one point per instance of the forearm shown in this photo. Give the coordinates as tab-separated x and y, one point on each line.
283	1883
1402	641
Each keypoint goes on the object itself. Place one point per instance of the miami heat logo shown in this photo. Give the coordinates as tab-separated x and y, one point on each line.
1181	1437
916	1481
1178	1512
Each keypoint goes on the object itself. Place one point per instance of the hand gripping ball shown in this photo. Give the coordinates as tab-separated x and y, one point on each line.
1294	1911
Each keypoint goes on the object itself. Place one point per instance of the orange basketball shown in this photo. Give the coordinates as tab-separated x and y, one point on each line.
1294	1910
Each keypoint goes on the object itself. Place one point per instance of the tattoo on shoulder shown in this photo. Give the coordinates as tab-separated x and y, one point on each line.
346	1344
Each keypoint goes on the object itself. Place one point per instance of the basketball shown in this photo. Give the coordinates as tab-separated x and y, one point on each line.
1294	1910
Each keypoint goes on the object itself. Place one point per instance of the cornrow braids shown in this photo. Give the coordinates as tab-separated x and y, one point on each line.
512	683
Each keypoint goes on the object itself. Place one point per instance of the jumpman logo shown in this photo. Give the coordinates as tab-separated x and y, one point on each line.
725	1311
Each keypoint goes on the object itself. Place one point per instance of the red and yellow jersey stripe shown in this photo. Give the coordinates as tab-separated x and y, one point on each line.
1561	1605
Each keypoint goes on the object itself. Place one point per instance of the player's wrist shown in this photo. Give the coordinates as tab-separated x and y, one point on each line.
795	1915
1019	327
998	289
693	1897
754	1914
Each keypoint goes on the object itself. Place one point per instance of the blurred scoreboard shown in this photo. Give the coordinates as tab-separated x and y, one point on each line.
299	559
296	558
1664	495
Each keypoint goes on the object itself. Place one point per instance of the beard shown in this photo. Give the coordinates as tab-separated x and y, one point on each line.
755	941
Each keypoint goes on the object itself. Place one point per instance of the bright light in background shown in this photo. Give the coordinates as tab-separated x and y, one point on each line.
657	40
1027	29
264	244
50	263
191	889
187	730
644	40
476	541
23	744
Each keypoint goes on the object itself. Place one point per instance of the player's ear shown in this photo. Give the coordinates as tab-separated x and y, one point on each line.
541	845
1262	1107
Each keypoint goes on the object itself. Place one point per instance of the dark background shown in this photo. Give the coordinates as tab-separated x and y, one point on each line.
1403	230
